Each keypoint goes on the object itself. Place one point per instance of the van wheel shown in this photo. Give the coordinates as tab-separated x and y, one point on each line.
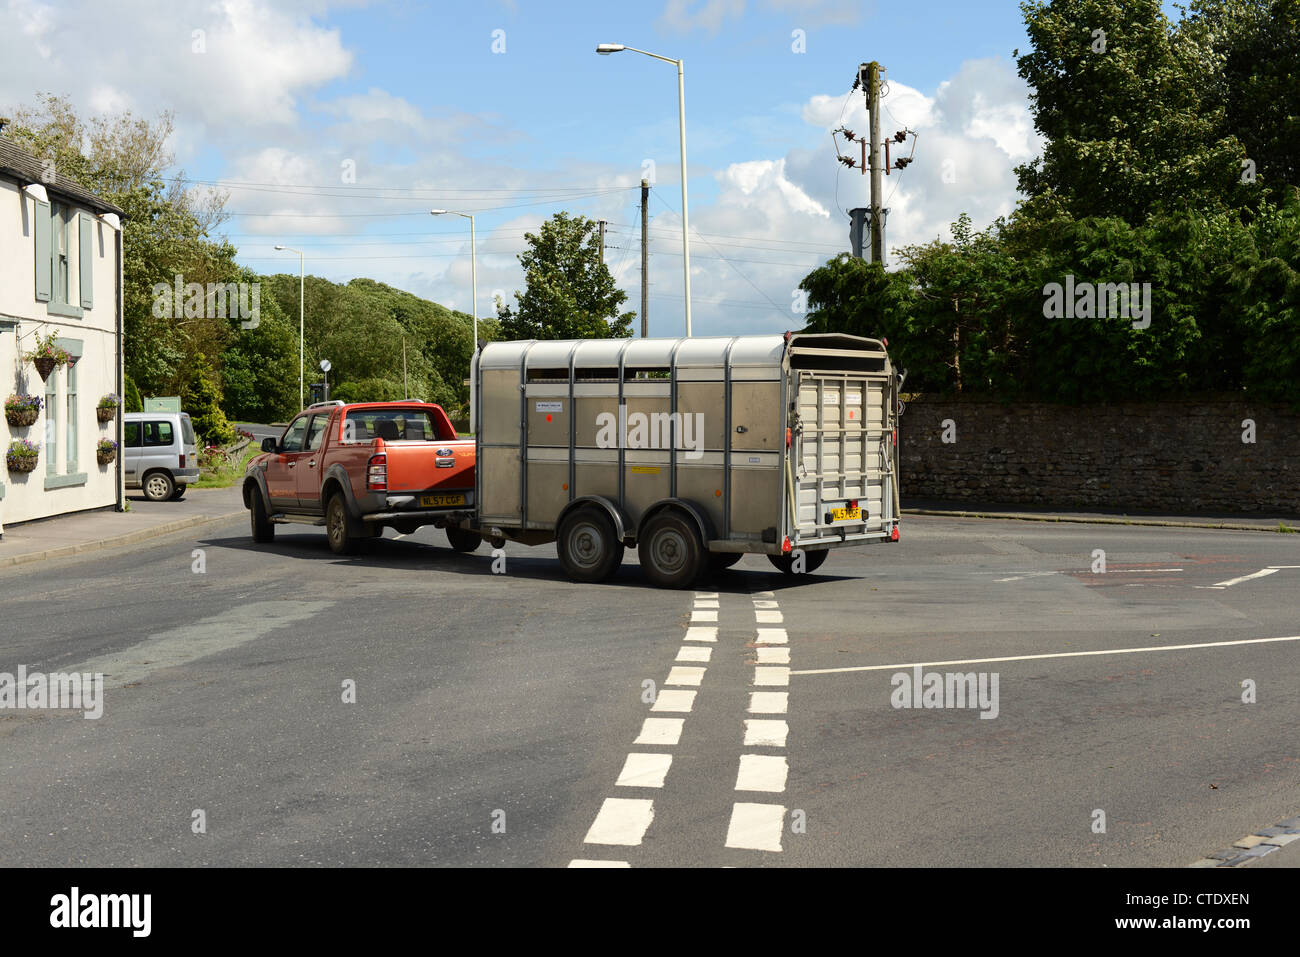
340	528
463	540
179	494
812	561
158	486
588	548
262	526
671	551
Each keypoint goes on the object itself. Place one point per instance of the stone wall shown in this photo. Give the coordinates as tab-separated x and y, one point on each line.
1176	456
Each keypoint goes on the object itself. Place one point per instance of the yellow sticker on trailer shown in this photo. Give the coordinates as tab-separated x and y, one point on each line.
846	514
645	469
440	501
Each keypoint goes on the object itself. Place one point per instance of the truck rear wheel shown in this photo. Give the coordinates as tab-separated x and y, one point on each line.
587	545
340	528
812	561
463	540
671	551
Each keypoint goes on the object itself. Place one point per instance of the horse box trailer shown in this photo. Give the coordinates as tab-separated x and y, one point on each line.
695	451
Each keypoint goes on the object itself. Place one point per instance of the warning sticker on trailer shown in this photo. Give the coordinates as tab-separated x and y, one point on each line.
550	406
830	398
853	398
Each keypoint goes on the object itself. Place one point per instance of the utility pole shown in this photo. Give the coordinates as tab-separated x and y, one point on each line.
602	242
406	389
645	259
871	81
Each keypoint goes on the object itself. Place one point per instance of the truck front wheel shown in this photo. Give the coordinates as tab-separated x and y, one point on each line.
588	548
671	551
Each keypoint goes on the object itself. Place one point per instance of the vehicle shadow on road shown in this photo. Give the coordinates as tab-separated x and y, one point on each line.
407	555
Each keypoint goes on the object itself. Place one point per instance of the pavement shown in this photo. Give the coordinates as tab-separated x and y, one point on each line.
104	528
407	706
1245	521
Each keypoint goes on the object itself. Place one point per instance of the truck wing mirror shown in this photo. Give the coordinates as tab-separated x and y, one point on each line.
270	444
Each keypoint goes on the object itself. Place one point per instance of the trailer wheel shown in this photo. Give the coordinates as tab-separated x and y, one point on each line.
587	545
462	540
671	551
812	561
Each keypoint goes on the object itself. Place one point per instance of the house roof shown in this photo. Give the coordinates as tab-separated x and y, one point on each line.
18	164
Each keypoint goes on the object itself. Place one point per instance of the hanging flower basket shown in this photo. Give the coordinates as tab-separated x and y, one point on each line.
47	356
22	456
106	413
106	451
45	365
23	410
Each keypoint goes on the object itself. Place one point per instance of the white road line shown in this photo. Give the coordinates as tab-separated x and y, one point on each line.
706	603
756	827
763	594
771	636
761	603
581	863
683	675
1245	578
621	821
660	731
642	770
1060	654
704	615
772	655
765	733
1284	566
706	594
701	634
774	677
694	653
768	702
768	617
1016	578
762	772
679	701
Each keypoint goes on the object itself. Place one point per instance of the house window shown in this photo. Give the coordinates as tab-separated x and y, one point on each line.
60	254
51	422
71	400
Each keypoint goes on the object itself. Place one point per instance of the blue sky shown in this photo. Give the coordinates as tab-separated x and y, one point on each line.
353	119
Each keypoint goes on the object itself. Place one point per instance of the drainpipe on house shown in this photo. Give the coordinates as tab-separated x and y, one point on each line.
121	391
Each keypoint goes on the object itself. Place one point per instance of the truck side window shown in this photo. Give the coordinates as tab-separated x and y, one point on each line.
292	441
316	433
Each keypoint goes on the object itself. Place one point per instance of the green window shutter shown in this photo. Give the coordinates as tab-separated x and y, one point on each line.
86	260
44	263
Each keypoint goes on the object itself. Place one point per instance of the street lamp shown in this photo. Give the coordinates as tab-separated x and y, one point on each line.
300	309
473	281
607	48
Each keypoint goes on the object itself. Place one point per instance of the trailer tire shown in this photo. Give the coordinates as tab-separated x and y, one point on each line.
462	540
813	561
587	545
671	551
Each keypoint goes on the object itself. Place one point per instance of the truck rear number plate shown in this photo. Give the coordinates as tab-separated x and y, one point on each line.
436	501
846	514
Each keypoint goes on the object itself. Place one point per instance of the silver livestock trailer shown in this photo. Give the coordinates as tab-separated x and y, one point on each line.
695	450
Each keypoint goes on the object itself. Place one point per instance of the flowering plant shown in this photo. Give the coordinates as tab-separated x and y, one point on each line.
22	402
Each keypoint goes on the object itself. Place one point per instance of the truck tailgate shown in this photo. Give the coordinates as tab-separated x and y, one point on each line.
426	466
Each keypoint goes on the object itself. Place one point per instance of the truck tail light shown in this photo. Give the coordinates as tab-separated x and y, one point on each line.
377	473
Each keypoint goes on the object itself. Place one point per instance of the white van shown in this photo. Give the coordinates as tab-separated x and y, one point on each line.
160	454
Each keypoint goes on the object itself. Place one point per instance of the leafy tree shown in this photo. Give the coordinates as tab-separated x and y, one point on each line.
131	401
570	293
201	398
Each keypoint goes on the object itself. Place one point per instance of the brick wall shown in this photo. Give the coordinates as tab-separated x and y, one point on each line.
1179	456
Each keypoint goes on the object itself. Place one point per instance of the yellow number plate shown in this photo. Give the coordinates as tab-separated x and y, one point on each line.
441	501
846	515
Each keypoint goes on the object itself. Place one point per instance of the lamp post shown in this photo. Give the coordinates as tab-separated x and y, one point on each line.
607	48
473	266
300	311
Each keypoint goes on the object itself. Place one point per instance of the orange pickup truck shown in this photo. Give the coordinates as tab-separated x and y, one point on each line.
358	468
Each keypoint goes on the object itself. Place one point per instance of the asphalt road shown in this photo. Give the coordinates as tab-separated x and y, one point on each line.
495	714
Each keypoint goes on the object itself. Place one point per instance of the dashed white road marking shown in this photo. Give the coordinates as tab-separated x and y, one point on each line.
706	594
668	700
660	731
765	733
694	653
771	677
768	702
701	634
756	827
762	772
773	655
621	821
683	675
642	770
771	636
1059	654
768	617
583	863
759	603
706	603
764	594
1245	578
1016	578
704	615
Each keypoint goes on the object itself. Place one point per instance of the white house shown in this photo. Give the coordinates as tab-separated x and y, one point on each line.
60	272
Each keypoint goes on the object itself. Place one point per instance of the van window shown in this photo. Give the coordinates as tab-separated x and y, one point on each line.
187	430
131	434
158	434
